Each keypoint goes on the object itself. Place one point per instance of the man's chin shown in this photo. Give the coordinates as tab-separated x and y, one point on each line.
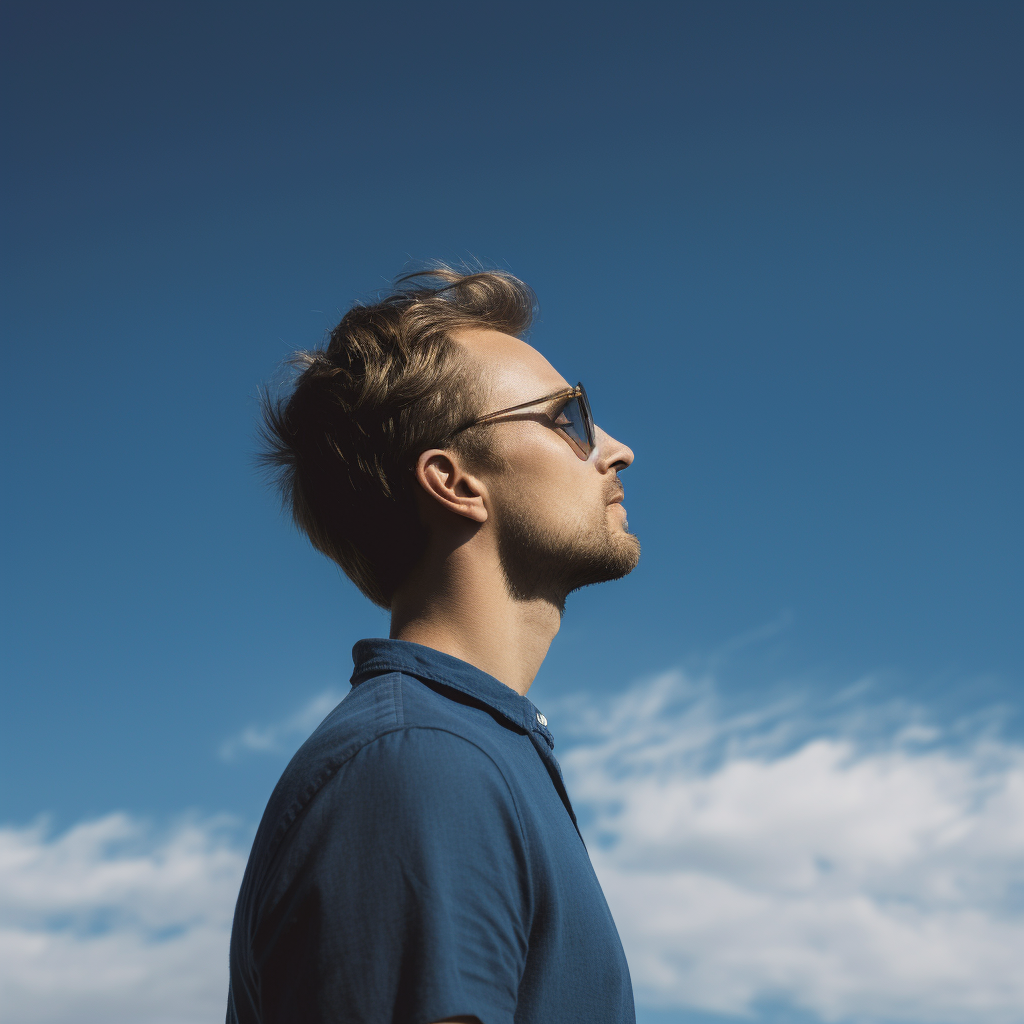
619	559
630	550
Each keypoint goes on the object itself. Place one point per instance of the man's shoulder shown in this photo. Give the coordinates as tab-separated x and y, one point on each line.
403	723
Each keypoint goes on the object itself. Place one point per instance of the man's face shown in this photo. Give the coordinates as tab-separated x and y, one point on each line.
560	521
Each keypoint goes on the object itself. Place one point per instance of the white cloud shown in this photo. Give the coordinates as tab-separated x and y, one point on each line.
856	882
281	737
778	855
110	922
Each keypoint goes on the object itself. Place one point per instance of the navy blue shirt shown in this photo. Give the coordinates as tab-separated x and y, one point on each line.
419	859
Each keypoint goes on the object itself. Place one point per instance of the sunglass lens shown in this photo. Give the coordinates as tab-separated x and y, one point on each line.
575	422
588	417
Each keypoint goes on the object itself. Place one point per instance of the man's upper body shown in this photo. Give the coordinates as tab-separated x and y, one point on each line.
419	861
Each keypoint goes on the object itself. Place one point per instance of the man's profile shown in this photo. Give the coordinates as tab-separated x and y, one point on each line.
419	860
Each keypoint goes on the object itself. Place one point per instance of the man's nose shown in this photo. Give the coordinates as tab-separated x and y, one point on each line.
612	454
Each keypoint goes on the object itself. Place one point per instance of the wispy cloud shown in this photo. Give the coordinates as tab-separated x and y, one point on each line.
867	876
114	923
281	737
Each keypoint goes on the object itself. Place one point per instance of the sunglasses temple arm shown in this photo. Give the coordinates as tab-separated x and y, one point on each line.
566	393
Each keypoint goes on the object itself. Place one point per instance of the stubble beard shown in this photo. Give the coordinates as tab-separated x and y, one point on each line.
550	566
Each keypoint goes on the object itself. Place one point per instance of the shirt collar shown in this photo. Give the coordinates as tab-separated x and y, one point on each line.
375	657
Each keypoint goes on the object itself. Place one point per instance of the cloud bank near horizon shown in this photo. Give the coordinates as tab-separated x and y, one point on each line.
867	868
113	922
848	879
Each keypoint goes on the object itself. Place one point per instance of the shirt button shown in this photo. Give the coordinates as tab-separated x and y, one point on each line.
541	719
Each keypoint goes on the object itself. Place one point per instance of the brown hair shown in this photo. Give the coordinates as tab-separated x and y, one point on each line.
390	384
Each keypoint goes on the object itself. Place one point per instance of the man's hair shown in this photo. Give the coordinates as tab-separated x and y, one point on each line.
390	384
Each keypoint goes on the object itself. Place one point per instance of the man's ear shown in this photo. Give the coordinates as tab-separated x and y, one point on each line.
447	482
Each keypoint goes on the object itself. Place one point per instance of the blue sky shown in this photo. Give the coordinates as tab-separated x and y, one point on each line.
779	243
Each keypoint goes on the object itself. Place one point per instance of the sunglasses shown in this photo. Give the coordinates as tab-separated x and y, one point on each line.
573	419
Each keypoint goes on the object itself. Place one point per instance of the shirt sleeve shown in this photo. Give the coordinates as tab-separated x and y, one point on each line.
402	893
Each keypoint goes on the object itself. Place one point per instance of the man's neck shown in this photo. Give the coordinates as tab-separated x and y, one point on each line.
459	604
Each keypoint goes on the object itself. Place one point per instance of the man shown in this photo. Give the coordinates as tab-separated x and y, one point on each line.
419	860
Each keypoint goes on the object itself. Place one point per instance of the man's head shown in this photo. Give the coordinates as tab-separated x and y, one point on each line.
379	449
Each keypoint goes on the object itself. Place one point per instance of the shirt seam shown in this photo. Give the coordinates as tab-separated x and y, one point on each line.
396	696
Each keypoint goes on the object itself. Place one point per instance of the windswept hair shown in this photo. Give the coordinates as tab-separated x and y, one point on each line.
390	384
